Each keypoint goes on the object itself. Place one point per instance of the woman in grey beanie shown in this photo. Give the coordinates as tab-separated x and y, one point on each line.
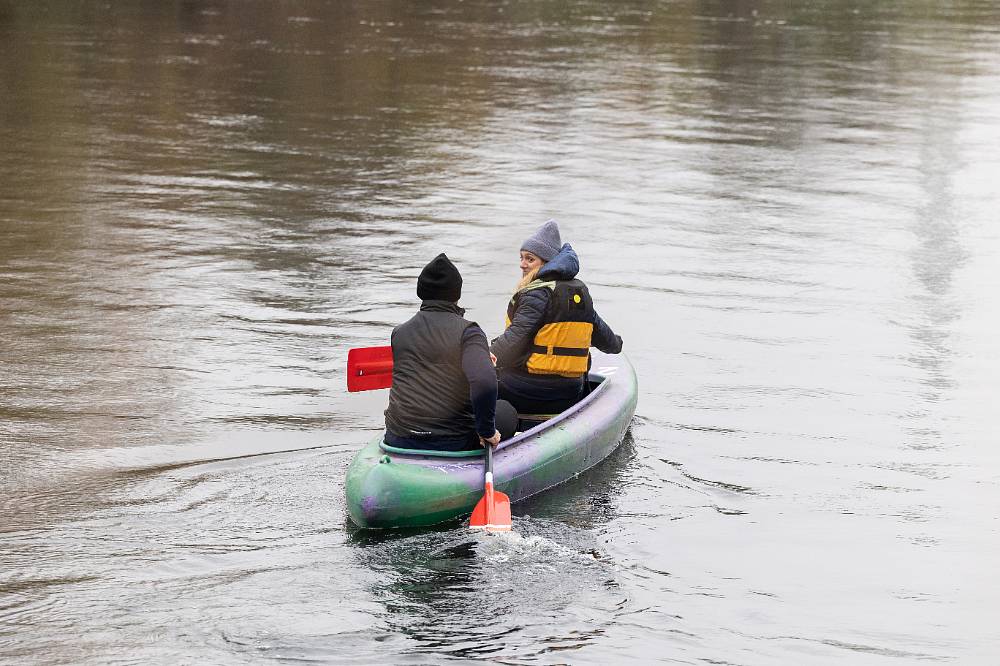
543	355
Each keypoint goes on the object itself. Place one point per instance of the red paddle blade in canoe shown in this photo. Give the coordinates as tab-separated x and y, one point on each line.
492	513
369	368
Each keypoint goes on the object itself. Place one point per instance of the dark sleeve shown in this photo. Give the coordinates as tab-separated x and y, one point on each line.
604	338
482	376
513	347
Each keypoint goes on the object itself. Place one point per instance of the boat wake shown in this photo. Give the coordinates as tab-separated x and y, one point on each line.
512	547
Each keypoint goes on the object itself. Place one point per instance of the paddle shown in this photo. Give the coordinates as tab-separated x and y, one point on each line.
492	513
369	368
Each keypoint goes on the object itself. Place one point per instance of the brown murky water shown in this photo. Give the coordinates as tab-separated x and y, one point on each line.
787	210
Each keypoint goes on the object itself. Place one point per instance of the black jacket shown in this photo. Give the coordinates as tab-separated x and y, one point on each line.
443	384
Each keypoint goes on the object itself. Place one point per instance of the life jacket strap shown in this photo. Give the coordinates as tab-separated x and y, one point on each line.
559	351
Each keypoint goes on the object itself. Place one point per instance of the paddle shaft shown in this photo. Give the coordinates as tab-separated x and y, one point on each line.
488	485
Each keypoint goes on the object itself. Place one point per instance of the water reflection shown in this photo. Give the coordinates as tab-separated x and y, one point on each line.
939	252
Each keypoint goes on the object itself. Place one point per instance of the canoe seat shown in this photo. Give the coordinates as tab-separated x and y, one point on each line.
529	421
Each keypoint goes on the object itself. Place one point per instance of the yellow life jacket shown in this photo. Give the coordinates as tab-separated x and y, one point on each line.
562	344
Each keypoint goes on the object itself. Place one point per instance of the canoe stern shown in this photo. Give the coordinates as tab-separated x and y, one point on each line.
382	493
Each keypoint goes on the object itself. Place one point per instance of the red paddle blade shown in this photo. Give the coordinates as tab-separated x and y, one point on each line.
369	368
492	513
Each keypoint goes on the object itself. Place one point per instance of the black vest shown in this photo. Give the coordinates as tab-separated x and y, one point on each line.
429	397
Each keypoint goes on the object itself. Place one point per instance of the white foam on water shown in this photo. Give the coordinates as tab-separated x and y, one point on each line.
503	547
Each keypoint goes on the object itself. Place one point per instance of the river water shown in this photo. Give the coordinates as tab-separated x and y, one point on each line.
789	211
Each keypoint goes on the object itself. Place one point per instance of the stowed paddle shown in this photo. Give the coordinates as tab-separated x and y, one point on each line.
492	513
369	368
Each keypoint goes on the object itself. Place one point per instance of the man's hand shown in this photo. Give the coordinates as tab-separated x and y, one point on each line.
493	357
492	441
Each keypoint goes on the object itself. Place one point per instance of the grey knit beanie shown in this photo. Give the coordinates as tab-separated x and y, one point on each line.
544	243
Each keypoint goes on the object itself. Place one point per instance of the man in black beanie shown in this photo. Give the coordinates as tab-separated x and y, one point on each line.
444	385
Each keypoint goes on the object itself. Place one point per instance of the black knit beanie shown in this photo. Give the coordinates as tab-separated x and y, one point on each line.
440	281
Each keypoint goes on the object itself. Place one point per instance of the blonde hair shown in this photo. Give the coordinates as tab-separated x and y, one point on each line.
527	279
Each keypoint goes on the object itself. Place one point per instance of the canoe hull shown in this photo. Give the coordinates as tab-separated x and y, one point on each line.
393	490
